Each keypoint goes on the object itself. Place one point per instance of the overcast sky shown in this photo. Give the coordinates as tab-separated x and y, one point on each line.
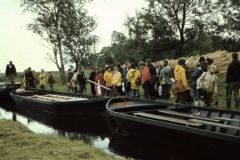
25	48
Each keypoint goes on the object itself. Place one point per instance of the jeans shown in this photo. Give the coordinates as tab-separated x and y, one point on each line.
166	91
81	88
135	93
51	87
232	88
42	87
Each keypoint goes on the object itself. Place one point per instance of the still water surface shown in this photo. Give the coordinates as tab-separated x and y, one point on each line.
97	141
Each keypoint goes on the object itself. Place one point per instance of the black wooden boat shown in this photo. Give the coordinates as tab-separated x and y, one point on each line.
59	103
6	88
206	131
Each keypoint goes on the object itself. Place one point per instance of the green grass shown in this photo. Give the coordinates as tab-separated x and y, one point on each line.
19	143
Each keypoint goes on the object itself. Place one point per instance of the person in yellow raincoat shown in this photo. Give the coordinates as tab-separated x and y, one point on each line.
108	78
42	79
117	81
134	76
181	82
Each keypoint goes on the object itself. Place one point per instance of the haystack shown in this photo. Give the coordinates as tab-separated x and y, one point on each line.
221	60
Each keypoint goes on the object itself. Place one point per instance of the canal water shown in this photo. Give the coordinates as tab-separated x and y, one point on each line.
95	138
95	132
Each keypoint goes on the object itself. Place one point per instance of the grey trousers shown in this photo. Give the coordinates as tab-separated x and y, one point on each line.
232	88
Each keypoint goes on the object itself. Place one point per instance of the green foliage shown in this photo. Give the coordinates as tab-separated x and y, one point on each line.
173	28
65	26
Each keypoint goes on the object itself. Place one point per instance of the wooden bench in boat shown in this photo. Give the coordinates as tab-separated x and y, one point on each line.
64	97
47	98
227	119
168	119
56	99
185	115
214	124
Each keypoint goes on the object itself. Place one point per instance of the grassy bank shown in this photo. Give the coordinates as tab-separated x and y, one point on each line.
19	143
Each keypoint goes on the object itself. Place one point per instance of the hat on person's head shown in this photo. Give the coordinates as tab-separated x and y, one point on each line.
107	67
201	59
181	61
210	61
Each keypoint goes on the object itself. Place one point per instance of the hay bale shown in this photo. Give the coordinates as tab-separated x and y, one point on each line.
221	60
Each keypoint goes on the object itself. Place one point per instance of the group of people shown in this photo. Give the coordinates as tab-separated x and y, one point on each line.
198	85
30	79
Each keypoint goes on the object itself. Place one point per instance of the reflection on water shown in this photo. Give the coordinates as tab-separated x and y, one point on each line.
100	142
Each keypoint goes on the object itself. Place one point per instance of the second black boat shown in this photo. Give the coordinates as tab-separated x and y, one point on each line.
59	103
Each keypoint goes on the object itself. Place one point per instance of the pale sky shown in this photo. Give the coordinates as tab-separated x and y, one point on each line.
25	49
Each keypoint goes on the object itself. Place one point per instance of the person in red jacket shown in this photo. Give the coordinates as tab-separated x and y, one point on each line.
145	79
99	80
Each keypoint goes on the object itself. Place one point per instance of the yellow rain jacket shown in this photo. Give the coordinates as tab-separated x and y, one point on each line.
43	78
180	75
108	78
117	79
132	75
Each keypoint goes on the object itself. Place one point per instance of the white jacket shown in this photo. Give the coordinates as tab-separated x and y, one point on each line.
208	82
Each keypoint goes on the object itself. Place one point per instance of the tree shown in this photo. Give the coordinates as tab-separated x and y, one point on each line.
77	39
50	24
181	13
231	15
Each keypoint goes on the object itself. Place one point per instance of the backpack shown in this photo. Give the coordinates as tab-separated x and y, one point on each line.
197	72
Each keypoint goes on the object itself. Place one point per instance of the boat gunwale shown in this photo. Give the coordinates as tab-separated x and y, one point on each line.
172	126
94	98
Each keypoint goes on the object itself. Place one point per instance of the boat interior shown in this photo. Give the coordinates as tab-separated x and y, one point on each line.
214	120
53	96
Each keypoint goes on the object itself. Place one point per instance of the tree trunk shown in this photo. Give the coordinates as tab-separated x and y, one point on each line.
59	45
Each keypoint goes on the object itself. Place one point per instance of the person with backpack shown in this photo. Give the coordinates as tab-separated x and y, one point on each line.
134	77
207	85
164	80
197	72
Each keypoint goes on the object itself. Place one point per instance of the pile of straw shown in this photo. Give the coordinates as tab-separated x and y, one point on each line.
221	60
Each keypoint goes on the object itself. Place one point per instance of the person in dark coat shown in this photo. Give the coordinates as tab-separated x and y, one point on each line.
233	80
29	78
11	72
153	92
81	77
92	78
